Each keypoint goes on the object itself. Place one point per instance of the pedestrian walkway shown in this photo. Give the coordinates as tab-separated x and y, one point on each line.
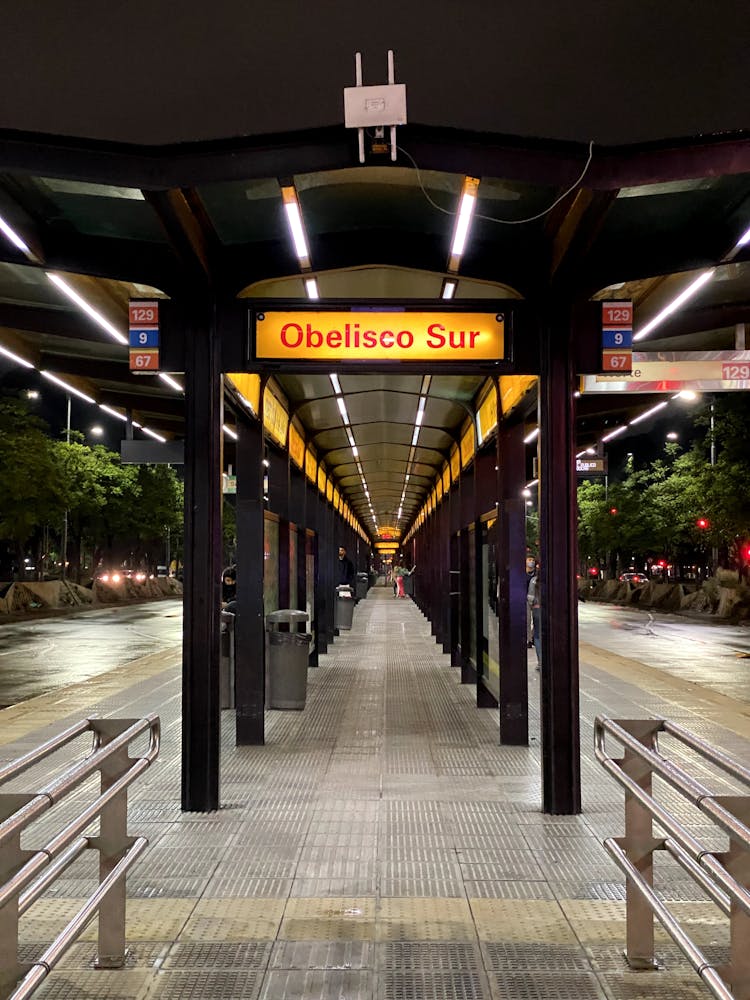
382	845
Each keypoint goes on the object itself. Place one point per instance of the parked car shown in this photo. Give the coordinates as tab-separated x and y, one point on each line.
633	578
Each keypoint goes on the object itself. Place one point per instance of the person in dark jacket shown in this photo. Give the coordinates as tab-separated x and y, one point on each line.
346	568
229	584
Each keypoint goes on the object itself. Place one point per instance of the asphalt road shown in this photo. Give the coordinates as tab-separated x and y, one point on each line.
46	653
40	655
713	654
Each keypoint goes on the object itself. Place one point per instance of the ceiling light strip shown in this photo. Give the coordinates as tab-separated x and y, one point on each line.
692	289
113	413
153	434
172	383
615	432
296	227
466	207
449	288
104	323
14	238
16	357
67	387
649	413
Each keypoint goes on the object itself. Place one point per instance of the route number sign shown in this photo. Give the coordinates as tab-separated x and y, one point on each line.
144	336
617	336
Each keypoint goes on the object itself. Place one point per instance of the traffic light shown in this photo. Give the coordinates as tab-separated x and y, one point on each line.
703	523
613	510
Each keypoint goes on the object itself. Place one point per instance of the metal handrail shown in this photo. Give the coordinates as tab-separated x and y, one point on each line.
724	876
29	873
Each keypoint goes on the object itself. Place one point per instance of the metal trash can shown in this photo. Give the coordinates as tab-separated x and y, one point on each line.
409	584
227	659
363	581
288	654
344	611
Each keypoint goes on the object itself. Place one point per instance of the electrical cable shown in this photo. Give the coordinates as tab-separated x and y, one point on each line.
490	218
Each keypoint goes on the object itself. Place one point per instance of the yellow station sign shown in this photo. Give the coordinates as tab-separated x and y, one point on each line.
379	336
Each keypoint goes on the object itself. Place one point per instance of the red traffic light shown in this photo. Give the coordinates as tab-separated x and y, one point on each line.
703	523
613	510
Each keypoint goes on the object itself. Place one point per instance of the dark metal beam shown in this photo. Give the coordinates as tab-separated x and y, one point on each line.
189	232
536	161
62	323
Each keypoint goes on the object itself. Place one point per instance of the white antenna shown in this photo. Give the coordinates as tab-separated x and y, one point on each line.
375	107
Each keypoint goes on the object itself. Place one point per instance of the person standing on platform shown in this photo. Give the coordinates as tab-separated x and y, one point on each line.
534	601
530	573
399	573
346	569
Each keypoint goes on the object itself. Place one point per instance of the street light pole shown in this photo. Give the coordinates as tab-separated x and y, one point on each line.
712	441
64	569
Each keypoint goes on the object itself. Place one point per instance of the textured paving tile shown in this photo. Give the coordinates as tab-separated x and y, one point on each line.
381	846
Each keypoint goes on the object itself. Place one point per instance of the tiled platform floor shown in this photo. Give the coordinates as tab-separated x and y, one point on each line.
382	845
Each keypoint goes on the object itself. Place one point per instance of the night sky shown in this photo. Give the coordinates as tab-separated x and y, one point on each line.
148	71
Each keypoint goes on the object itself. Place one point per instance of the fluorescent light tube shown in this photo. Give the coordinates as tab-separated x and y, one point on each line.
14	238
172	383
463	220
67	387
105	324
294	221
648	413
113	413
15	357
311	287
153	434
449	289
615	432
675	304
229	432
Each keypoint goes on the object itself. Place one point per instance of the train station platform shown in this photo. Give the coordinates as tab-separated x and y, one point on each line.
382	845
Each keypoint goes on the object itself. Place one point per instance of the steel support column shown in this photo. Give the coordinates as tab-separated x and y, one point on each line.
561	778
250	639
201	715
511	569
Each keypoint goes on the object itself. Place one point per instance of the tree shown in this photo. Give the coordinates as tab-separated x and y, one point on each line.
30	490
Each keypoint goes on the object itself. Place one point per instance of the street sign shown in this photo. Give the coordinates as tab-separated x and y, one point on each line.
591	466
617	336
143	316
673	371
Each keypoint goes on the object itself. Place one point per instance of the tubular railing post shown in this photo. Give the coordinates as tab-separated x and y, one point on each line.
737	862
112	842
11	859
639	843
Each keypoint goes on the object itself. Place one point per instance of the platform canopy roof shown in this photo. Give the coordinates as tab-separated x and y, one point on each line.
148	157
